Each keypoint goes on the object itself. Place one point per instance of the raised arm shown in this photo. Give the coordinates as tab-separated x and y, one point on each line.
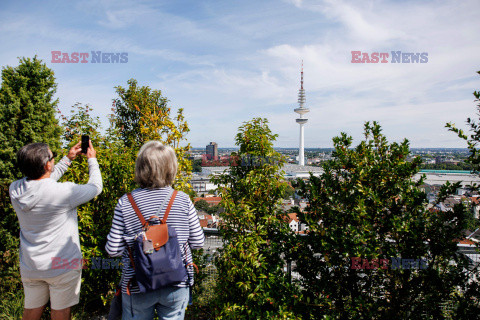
62	166
85	192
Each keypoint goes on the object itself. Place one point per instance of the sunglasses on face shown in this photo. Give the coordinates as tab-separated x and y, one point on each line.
54	155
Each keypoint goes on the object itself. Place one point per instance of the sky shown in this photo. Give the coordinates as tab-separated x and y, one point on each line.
226	62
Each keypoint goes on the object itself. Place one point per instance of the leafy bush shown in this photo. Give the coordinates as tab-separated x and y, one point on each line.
94	217
366	207
116	157
251	282
143	114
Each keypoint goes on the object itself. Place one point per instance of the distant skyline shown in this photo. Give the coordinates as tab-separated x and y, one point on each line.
235	147
226	62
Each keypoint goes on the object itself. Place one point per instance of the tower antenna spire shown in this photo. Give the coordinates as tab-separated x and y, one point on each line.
301	92
301	81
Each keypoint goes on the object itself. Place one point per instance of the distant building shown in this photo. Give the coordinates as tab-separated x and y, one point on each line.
294	171
201	184
441	176
295	224
206	220
212	151
428	161
215	171
211	200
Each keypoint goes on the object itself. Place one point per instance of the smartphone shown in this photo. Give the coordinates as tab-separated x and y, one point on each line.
85	143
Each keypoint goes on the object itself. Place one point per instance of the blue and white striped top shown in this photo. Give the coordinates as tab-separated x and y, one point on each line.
125	225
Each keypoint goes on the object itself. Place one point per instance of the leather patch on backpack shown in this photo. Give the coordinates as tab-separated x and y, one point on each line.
158	234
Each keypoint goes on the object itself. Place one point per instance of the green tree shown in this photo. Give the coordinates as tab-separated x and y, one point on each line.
215	209
202	205
27	111
143	114
251	283
473	160
80	122
366	207
290	192
197	165
117	164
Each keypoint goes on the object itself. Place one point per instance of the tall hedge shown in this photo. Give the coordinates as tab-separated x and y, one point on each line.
27	111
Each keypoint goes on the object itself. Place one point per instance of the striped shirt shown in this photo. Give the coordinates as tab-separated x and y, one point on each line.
126	225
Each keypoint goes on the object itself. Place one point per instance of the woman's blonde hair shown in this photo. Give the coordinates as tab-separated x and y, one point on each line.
156	165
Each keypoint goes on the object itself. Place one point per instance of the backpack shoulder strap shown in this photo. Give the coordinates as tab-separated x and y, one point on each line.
165	216
164	203
135	208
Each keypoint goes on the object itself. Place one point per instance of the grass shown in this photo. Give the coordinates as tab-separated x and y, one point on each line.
11	305
11	308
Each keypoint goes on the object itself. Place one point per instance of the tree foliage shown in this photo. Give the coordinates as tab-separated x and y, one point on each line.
117	165
447	166
197	165
366	207
116	155
143	114
203	205
250	266
27	111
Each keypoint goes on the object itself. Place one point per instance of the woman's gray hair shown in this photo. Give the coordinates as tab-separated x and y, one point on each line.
156	165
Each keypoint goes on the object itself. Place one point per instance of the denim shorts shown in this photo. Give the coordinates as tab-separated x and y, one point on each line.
170	303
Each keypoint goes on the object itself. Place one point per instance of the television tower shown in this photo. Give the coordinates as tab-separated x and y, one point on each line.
301	121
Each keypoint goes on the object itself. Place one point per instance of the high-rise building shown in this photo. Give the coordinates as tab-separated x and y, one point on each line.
301	121
212	151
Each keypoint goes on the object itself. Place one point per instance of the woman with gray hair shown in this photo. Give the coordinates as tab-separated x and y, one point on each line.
155	171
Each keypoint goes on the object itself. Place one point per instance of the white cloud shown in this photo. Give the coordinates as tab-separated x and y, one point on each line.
226	63
296	3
